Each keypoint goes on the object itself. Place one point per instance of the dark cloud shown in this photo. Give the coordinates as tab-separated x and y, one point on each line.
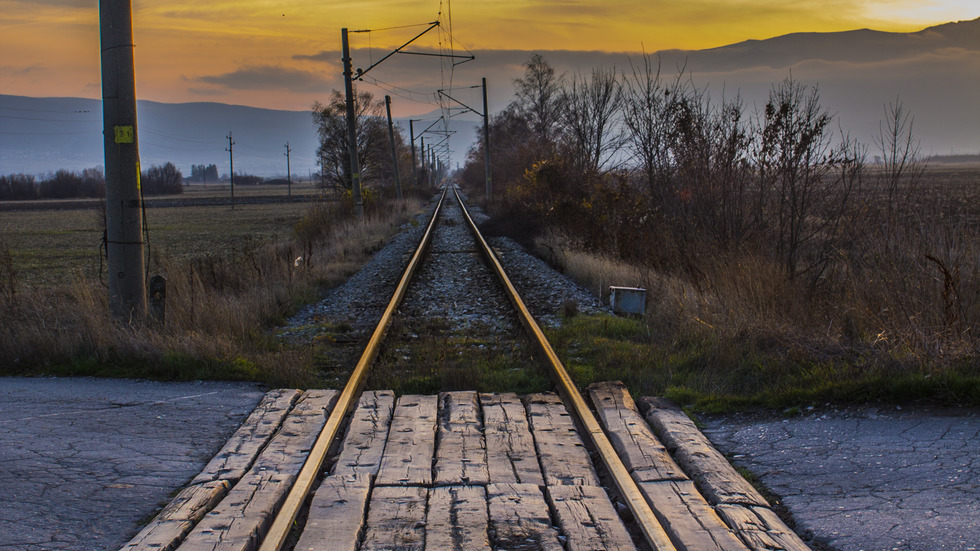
268	77
9	71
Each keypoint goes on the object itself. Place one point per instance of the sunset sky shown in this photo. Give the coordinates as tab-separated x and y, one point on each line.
284	54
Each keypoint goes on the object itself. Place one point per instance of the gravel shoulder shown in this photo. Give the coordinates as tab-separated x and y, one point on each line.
360	301
871	478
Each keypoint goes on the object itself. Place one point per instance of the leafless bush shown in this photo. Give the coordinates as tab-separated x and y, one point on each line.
805	182
900	166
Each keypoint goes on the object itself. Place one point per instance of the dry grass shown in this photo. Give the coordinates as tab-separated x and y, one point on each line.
220	306
894	316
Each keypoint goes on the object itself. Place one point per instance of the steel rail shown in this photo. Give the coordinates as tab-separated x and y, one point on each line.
653	531
286	516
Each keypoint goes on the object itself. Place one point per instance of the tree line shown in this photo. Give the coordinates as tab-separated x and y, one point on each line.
650	167
164	179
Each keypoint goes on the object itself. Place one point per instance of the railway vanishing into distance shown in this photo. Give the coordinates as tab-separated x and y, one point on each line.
357	469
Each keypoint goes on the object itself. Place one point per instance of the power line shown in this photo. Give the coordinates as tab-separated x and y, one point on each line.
48	120
407	93
181	138
45	110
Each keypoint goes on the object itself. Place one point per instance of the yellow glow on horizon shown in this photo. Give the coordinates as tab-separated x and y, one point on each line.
50	47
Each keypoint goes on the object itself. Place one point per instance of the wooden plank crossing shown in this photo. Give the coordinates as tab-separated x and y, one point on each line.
520	520
690	522
462	471
457	519
396	519
738	504
713	474
238	454
564	459
238	523
642	453
366	434
587	518
411	442
461	456
511	457
760	528
172	525
336	514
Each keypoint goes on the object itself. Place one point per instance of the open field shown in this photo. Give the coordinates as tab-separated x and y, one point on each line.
49	246
223	189
232	276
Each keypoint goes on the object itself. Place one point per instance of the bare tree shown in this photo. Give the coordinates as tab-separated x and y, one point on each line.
649	109
372	139
901	166
804	180
590	107
539	98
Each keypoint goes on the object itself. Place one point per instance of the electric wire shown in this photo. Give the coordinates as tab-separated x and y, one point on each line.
46	110
48	120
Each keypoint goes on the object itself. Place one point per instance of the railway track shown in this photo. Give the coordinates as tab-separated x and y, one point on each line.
462	470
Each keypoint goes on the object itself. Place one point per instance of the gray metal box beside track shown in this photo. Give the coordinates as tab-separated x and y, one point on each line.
628	300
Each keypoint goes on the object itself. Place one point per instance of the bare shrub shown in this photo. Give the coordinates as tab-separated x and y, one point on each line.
805	182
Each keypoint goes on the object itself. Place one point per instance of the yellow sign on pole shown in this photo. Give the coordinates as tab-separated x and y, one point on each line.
124	134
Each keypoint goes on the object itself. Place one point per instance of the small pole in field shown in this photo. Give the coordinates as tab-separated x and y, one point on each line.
486	136
231	162
289	175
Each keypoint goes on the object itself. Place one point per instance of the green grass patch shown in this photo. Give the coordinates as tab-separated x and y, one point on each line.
434	356
167	367
713	375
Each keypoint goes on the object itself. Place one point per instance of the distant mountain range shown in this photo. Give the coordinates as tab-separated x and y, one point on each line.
41	135
935	72
860	46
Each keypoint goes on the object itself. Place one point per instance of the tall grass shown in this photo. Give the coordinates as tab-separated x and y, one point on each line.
893	315
220	308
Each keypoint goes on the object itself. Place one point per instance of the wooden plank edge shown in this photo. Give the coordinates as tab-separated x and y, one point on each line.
715	477
169	528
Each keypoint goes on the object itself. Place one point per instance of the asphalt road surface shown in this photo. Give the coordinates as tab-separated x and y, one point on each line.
83	462
874	478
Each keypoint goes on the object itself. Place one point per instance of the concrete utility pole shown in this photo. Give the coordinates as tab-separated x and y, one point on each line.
486	136
124	205
289	175
394	150
428	162
415	172
355	165
231	162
